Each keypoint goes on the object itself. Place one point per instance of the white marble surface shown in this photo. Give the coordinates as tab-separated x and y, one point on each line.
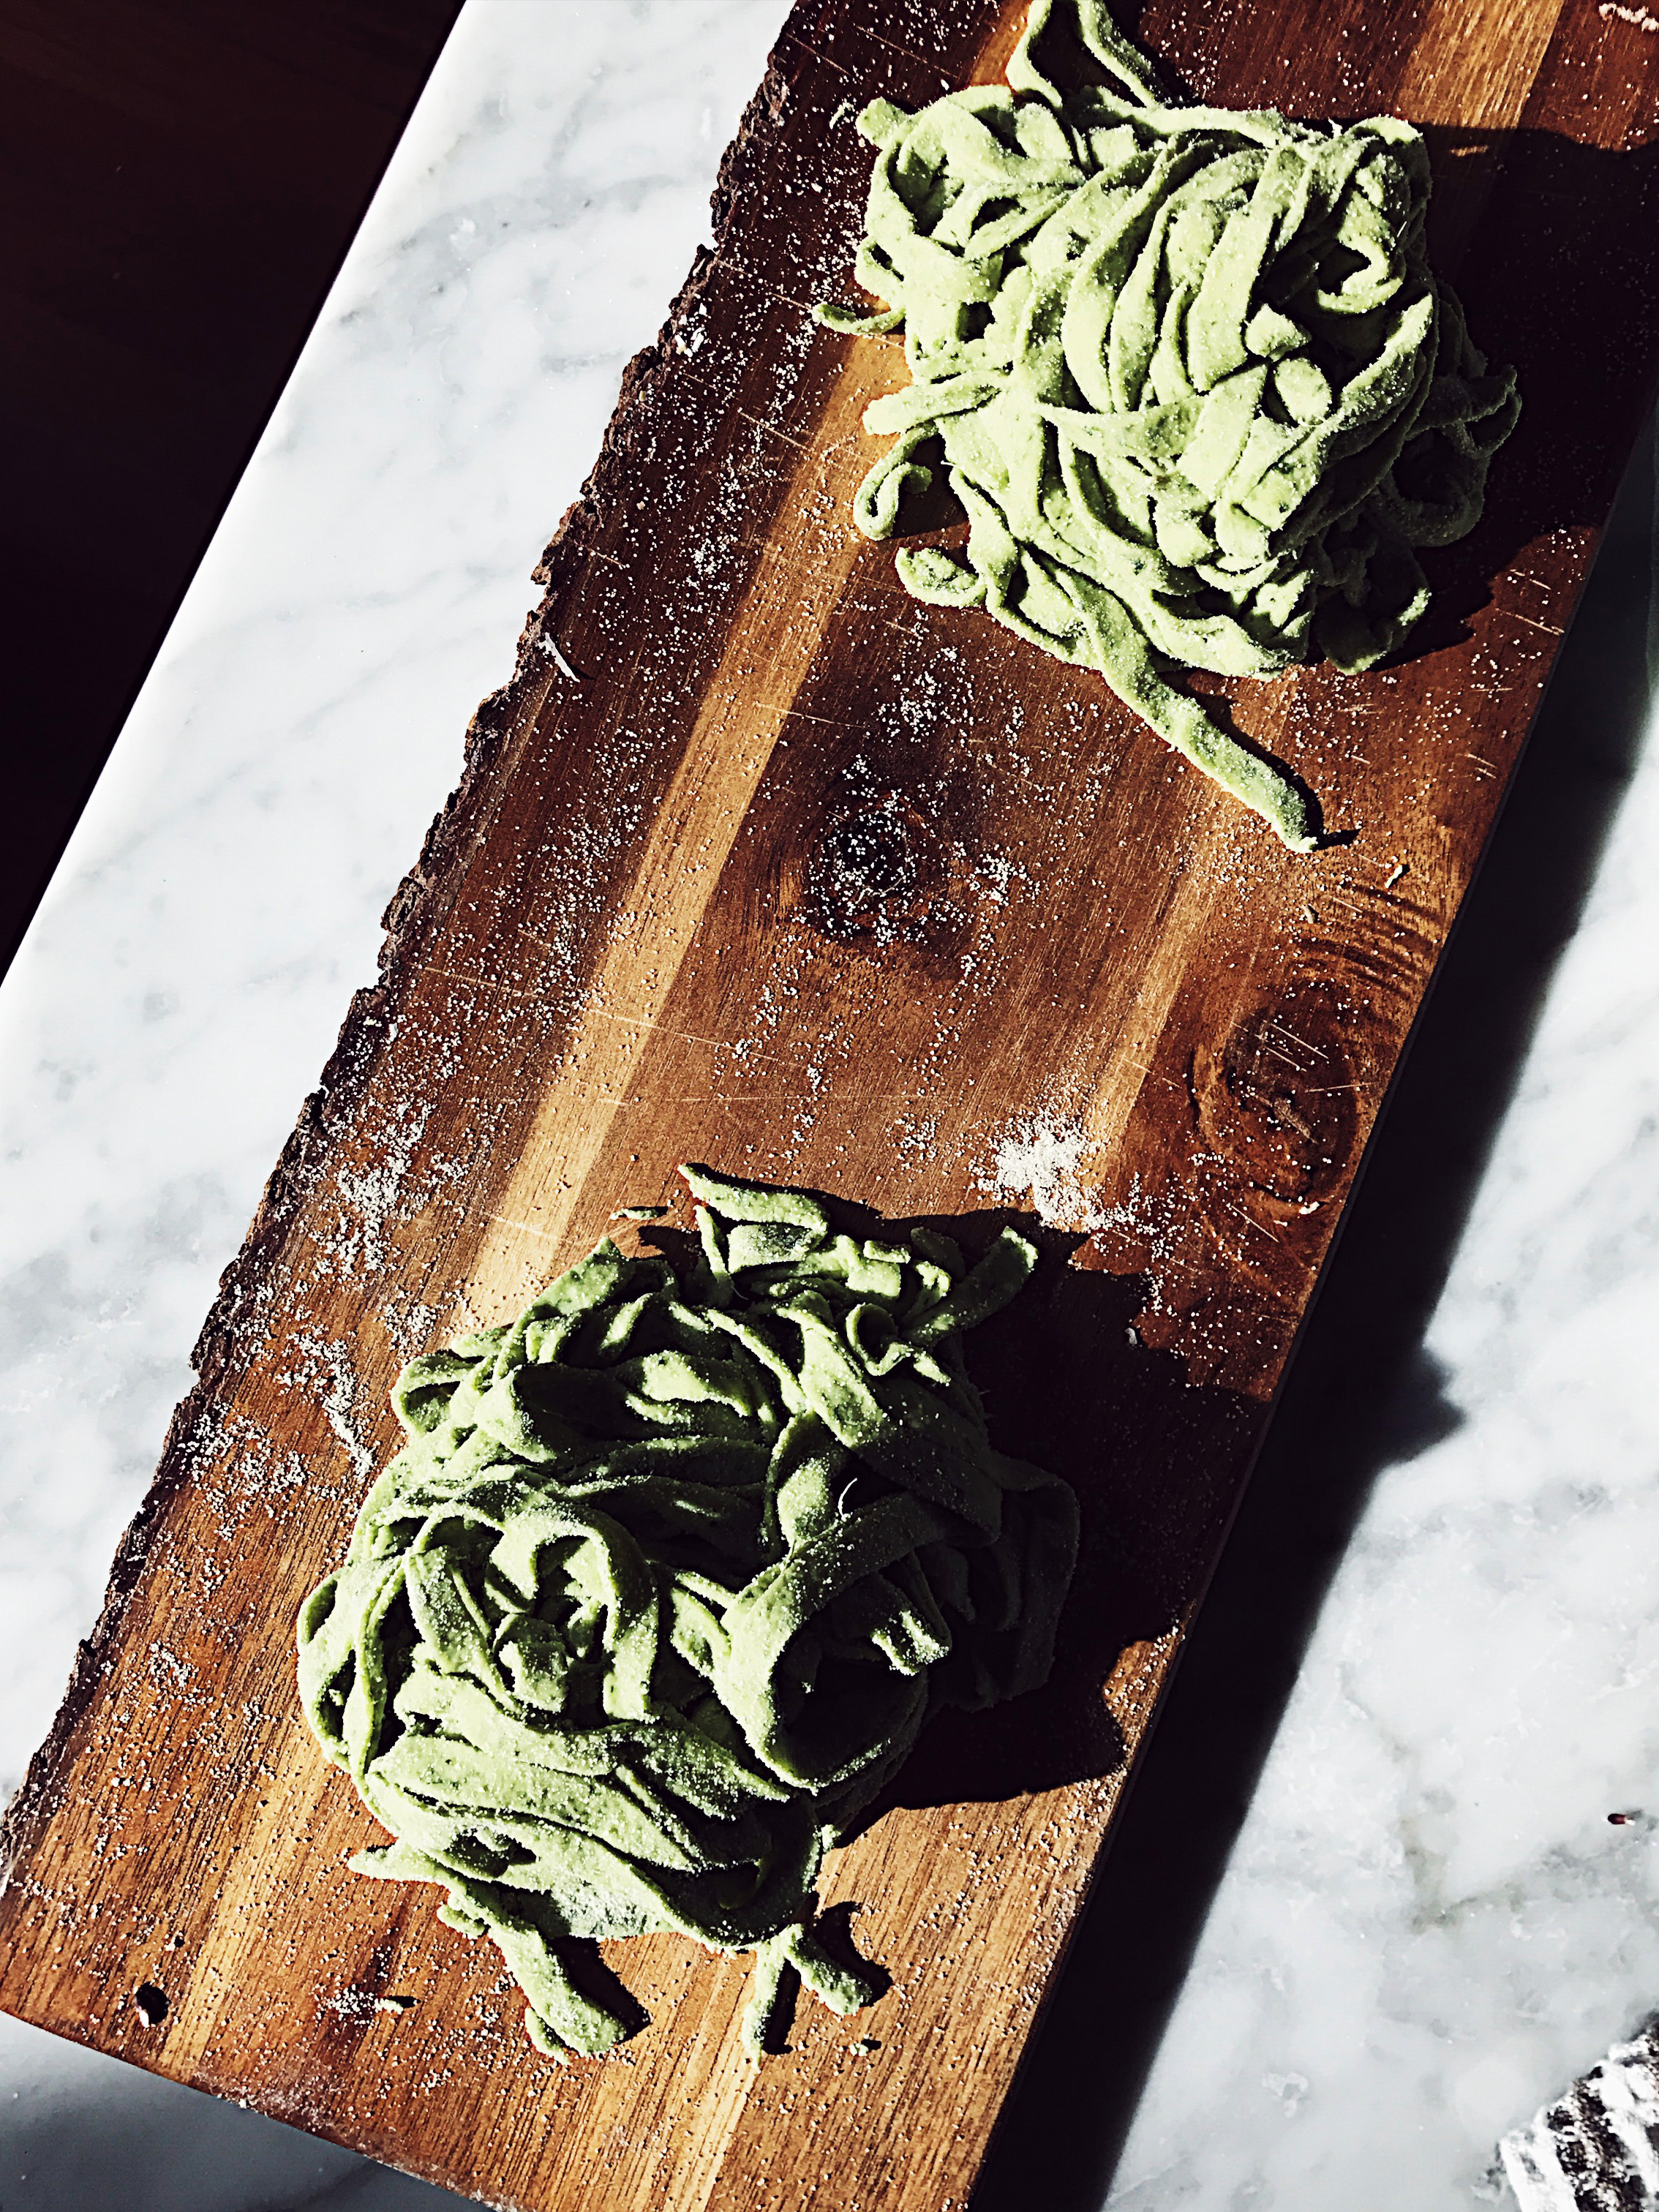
1427	1926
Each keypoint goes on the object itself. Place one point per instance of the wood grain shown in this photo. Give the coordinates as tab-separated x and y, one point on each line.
815	884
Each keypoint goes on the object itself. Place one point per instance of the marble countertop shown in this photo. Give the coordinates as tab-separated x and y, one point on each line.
1408	1919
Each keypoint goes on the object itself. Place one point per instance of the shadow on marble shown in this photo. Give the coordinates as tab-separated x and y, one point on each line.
80	2134
1364	1394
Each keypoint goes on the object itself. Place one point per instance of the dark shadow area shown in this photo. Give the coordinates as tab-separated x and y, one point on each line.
1155	1461
1573	226
1066	61
933	515
1362	1394
1219	708
833	1928
600	1984
774	2036
833	1931
85	2133
182	184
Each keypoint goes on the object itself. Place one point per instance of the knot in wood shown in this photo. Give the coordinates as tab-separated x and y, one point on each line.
1278	1099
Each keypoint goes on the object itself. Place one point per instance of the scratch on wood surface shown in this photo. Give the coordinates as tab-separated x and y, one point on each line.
1250	1221
687	1037
806	47
892	45
525	1228
831	721
1285	1058
480	982
760	424
782	1098
1297	1042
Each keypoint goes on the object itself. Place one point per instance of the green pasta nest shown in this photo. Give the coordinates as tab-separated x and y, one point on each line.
1189	374
666	1580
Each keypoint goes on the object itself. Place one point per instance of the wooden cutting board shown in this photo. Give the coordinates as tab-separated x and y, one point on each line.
812	883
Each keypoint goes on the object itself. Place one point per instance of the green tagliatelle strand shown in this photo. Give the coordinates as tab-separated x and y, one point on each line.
1189	371
666	1580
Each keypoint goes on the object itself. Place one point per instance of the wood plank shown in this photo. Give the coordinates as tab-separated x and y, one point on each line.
816	884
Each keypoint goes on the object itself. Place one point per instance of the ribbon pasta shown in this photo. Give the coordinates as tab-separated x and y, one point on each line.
1189	375
664	1583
